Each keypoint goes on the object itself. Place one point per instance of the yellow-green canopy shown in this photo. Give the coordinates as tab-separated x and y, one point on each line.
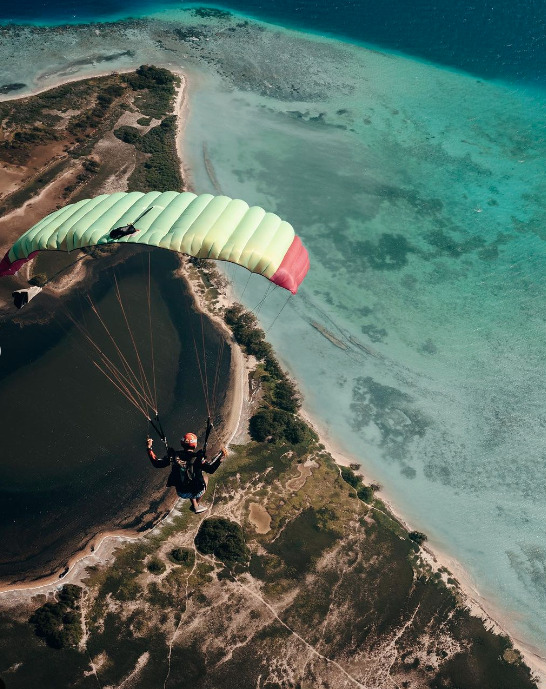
203	226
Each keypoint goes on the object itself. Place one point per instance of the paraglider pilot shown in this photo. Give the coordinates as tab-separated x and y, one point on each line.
189	468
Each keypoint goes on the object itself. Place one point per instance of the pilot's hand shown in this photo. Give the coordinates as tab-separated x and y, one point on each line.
149	443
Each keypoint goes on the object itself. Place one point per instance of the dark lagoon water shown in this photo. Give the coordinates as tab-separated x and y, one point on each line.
496	39
73	458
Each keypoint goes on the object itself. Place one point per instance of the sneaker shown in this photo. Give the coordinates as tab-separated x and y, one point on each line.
201	509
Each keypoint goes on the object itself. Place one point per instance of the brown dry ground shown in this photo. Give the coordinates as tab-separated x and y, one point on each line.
27	195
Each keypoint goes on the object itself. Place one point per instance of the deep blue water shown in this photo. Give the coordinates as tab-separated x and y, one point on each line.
491	38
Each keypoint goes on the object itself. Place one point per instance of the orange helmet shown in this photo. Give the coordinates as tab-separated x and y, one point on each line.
189	440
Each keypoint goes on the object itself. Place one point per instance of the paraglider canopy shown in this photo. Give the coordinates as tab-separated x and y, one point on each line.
204	226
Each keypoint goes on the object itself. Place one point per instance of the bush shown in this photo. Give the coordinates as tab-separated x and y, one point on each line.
277	425
246	331
223	539
417	537
158	85
91	165
150	77
365	493
350	477
295	431
70	595
156	566
182	556
104	100
161	171
262	426
285	396
130	135
60	623
275	420
114	90
272	366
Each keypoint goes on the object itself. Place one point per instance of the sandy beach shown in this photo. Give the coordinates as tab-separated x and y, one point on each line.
102	547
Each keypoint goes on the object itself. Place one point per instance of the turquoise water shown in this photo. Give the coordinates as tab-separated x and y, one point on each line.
419	192
491	39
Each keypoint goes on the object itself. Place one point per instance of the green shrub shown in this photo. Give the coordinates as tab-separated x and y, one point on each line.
130	135
246	331
295	430
59	624
104	100
350	477
365	493
275	420
417	537
150	77
223	539
70	595
158	87
155	566
277	425
114	90
161	171
182	556
272	366
285	396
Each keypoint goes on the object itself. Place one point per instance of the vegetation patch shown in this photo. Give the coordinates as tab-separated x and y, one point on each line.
157	86
363	492
304	539
59	624
277	425
276	419
417	537
155	565
182	556
223	539
211	13
127	134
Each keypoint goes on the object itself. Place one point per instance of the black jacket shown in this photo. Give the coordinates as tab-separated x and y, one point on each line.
187	478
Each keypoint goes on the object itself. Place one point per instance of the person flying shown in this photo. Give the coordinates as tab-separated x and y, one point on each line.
189	469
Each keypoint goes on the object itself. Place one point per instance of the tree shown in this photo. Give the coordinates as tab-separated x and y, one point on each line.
417	537
60	623
223	539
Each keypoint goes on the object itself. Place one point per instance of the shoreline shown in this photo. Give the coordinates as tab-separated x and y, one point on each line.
101	547
479	605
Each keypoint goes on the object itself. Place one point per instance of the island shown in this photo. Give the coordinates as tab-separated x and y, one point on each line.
298	575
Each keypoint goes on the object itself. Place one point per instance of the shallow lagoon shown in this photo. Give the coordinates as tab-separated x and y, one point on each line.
73	459
419	192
